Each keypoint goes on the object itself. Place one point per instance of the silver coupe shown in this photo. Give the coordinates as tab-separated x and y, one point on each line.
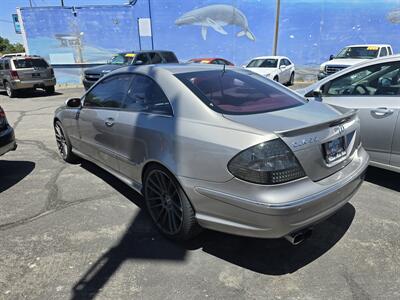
217	147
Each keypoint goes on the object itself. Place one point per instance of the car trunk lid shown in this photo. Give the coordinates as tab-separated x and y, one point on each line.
315	132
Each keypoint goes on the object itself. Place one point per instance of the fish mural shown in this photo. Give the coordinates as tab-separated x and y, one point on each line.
216	16
394	16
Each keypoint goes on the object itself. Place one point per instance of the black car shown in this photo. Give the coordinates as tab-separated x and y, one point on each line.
7	138
128	58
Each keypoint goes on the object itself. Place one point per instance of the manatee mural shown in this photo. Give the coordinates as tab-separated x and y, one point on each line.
217	16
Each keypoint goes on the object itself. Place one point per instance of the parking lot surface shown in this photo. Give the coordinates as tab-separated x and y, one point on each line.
76	232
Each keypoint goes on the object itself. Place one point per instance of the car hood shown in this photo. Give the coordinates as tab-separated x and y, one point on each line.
262	71
343	62
103	69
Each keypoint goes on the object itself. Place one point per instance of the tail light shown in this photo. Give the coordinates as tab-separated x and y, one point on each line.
14	74
271	162
3	119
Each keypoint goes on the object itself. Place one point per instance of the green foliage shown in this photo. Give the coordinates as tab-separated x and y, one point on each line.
7	47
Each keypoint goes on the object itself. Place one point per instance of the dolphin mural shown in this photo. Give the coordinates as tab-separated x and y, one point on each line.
216	16
394	16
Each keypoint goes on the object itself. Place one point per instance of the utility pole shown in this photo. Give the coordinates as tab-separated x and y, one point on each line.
62	3
30	3
275	46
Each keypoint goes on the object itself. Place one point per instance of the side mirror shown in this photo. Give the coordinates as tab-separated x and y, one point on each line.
282	67
138	62
331	57
317	94
73	102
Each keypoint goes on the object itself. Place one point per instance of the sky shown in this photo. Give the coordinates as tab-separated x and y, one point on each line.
8	7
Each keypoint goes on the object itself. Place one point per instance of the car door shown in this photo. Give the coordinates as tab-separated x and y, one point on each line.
283	71
1	73
97	117
395	155
374	91
145	114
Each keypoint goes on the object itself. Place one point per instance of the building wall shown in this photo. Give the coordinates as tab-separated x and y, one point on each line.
310	30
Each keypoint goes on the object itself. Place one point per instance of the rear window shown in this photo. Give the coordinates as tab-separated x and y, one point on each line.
238	93
263	63
30	63
169	57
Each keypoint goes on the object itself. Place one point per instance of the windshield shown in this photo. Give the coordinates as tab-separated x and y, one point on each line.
359	52
122	59
30	63
239	93
263	63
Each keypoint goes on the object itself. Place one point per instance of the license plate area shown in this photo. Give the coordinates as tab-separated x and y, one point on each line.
35	75
335	150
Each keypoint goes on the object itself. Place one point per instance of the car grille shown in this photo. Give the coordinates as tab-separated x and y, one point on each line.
92	77
334	69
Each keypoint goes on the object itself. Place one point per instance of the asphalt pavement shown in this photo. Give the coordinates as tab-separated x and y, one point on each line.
76	232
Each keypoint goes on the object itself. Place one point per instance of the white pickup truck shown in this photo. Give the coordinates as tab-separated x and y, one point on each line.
352	55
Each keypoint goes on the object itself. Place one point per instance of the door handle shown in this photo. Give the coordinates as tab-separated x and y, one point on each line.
382	111
109	122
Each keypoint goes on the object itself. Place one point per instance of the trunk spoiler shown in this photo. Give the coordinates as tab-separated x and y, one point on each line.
346	116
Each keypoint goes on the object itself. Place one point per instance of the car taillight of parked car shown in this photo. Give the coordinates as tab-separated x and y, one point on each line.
271	162
2	118
14	74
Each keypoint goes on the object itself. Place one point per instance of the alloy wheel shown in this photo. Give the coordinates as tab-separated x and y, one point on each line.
61	142
8	89
164	202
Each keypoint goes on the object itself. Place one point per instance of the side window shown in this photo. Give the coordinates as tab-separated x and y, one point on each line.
169	57
281	63
381	79
144	58
383	52
1	65
7	65
288	62
390	51
146	96
155	58
109	93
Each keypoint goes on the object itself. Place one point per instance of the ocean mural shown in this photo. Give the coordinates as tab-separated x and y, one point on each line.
309	30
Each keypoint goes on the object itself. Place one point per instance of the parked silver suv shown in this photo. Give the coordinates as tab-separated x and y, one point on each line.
20	73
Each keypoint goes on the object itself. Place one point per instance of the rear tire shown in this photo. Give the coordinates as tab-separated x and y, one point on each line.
168	205
63	144
50	89
9	90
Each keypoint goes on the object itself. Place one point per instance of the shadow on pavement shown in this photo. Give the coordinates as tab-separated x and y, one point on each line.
32	94
12	172
382	177
142	241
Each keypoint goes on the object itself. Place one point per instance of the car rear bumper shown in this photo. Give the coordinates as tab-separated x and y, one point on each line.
30	84
7	141
247	209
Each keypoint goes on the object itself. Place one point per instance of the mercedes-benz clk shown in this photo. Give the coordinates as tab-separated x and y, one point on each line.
217	147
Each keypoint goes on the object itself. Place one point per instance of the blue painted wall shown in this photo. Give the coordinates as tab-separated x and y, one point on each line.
310	30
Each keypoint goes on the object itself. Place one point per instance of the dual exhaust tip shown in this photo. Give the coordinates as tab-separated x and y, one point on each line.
297	237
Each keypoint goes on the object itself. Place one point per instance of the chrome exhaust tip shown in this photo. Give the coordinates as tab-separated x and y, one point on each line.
297	237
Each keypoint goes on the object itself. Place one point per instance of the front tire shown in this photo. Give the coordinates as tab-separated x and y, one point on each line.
291	80
168	205
63	144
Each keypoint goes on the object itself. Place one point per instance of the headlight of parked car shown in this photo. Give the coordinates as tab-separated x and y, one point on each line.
270	162
322	68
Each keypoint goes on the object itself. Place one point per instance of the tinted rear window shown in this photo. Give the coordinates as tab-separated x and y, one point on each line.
169	57
30	63
233	92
